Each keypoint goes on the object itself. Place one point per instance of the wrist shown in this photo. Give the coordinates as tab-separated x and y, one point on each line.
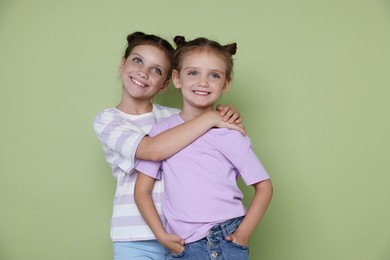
213	117
242	236
160	236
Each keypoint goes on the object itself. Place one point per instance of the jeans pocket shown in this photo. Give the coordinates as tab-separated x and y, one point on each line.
238	245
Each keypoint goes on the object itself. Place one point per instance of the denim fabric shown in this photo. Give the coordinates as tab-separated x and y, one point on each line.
139	250
214	246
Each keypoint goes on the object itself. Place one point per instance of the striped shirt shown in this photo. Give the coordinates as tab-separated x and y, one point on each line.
120	134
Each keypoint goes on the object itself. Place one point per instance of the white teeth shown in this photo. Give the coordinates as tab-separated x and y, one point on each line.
138	83
201	93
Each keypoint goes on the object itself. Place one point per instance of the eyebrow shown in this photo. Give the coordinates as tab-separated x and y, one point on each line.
136	54
155	64
197	68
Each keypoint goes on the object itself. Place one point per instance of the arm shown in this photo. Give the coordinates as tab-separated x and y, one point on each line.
256	210
173	140
145	204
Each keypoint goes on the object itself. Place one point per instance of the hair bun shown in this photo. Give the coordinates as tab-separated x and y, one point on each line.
231	48
179	40
134	35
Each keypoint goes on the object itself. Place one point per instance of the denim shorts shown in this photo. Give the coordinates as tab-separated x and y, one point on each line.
140	250
215	246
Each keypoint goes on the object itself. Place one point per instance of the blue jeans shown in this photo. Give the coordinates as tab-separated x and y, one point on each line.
139	250
215	246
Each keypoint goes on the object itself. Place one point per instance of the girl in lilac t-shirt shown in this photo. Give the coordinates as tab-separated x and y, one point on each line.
202	203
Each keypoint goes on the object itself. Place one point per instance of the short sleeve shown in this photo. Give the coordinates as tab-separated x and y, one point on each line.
252	170
119	139
240	153
149	168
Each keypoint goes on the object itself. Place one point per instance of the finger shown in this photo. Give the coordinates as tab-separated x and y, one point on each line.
178	240
229	238
224	108
178	249
228	116
219	107
238	120
225	113
241	128
234	117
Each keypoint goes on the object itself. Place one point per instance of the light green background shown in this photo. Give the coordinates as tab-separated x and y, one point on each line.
311	80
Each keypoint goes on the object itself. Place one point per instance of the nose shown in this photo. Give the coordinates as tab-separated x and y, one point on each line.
142	72
203	83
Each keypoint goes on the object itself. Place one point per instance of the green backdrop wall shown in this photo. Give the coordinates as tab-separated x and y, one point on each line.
311	80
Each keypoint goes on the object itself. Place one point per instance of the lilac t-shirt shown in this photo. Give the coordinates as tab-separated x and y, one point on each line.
201	180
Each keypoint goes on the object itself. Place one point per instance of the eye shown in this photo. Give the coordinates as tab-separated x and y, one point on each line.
192	73
157	70
215	76
137	60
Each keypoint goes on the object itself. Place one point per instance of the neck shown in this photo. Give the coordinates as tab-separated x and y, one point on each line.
188	112
135	107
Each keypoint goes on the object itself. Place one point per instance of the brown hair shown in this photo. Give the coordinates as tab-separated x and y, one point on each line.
183	47
140	38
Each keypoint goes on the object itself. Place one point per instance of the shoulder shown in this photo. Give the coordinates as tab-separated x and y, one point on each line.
228	134
232	144
165	124
229	140
106	114
111	119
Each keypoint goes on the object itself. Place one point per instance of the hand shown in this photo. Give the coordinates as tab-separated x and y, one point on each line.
236	238
233	126
229	114
174	243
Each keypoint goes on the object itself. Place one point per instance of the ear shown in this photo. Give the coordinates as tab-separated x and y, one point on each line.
164	87
122	64
176	78
226	86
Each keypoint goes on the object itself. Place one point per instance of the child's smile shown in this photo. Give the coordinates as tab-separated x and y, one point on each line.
202	80
202	93
144	72
138	83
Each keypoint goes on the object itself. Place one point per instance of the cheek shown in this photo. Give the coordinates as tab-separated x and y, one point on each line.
159	81
188	80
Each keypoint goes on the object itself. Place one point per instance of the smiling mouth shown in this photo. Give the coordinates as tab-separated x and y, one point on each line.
138	83
201	93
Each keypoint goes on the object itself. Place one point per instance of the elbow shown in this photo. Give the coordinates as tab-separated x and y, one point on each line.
156	154
150	153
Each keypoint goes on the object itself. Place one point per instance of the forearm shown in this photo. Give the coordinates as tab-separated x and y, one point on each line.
145	204
256	210
173	140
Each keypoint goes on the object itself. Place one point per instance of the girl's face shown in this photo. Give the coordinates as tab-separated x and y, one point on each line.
144	72
202	79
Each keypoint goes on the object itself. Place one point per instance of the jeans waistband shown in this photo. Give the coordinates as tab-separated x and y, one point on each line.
226	227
